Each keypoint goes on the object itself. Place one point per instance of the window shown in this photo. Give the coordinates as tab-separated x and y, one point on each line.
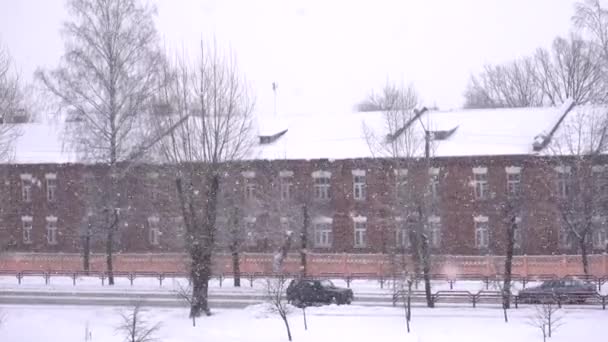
285	225
434	231
401	183
88	180
250	186
434	182
26	225
599	234
251	231
480	181
153	230
482	232
359	186
285	184
360	231
517	234
51	186
563	181
323	236
321	184
565	237
51	230
26	187
599	180
403	233
513	181
153	186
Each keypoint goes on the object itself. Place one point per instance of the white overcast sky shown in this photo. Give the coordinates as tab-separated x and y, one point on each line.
326	55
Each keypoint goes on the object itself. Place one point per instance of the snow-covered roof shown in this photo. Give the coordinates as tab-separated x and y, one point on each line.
479	132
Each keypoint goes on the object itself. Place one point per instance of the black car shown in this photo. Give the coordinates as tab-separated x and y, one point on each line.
567	291
305	292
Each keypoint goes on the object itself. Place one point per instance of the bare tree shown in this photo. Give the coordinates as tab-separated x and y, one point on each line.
135	327
104	83
11	103
215	99
403	282
546	317
592	18
580	194
572	69
275	294
392	97
509	85
185	294
413	199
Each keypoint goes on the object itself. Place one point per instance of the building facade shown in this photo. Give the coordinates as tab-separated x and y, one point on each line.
353	206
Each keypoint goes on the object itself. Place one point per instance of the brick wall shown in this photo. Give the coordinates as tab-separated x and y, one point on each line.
144	196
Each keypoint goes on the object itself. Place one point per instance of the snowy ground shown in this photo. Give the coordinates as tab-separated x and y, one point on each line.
333	323
84	284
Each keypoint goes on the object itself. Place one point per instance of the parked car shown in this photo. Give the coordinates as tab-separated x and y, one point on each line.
305	292
567	291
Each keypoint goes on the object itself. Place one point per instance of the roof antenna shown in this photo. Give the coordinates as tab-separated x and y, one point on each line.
274	90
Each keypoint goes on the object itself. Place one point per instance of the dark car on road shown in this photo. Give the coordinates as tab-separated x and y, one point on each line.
305	292
566	291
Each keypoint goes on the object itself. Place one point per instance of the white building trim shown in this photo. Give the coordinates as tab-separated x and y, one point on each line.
25	176
285	174
359	218
598	168
401	172
563	169
358	172
250	219
248	174
51	218
322	219
480	218
434	171
321	174
50	176
26	218
481	170
434	218
513	170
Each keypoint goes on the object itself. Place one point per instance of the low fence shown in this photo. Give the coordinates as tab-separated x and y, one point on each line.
448	266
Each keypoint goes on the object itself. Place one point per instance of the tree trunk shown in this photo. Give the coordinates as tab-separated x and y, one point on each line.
236	269
304	240
506	288
426	271
584	254
201	249
284	317
304	314
200	274
109	253
86	253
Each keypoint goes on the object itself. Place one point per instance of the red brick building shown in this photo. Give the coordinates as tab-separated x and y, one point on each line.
491	158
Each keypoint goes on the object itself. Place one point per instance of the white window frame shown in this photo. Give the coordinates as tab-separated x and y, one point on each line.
27	227
402	233
359	185
513	181
518	238
51	187
51	230
480	183
153	185
250	231
285	184
598	173
434	231
360	231
599	233
564	181
434	182
154	230
482	232
250	186
323	232
322	185
565	237
26	187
